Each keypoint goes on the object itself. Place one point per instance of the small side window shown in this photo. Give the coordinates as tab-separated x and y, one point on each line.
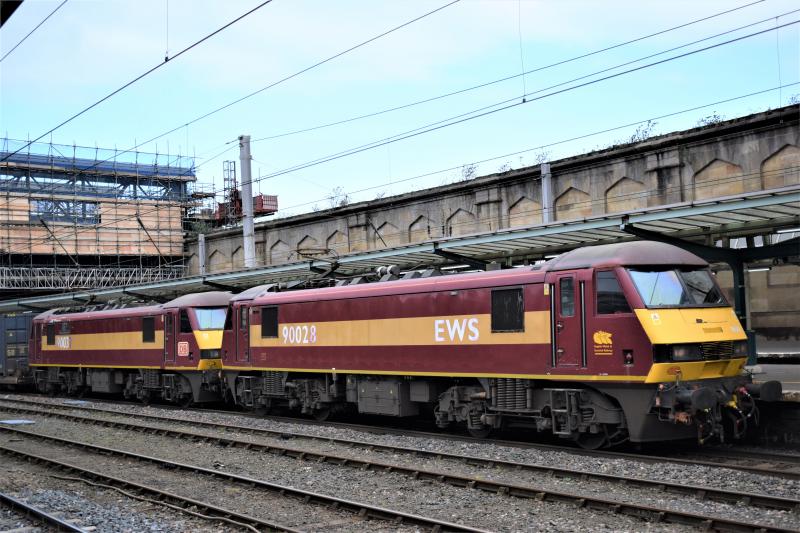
567	291
186	326
243	318
64	329
610	298
149	329
269	322
508	311
228	319
51	334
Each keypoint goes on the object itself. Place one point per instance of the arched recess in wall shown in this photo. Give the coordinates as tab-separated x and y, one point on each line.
308	243
420	229
719	178
279	253
237	258
461	222
216	261
626	195
525	212
337	242
782	168
573	203
389	236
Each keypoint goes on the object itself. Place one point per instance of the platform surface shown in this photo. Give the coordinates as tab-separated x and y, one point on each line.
788	375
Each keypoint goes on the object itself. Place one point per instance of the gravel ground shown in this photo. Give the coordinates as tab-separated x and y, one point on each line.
106	510
271	507
717	477
378	488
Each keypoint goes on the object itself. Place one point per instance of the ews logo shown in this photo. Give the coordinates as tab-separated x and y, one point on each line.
456	330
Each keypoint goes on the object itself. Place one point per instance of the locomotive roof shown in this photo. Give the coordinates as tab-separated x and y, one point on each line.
202	299
635	253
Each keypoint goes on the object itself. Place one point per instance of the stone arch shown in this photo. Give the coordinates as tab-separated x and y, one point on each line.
572	203
782	168
216	262
626	195
237	258
420	229
308	243
337	241
460	223
389	234
718	178
279	253
525	212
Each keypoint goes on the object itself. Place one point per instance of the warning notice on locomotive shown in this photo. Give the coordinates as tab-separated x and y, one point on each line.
603	345
183	349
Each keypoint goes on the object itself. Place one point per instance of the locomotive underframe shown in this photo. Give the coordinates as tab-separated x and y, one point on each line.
592	414
142	384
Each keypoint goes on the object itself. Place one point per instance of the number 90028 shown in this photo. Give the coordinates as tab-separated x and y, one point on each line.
299	334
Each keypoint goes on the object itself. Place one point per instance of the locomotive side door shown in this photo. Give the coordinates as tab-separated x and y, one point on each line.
169	337
566	319
243	334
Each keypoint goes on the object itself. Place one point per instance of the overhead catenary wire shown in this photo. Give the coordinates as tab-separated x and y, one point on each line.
549	145
506	104
719	44
271	85
139	77
53	12
562	141
524	73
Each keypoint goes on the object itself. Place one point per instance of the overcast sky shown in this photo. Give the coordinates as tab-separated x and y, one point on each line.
89	48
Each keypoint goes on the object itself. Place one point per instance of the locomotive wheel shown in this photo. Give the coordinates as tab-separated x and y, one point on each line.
186	401
592	441
321	414
145	398
481	432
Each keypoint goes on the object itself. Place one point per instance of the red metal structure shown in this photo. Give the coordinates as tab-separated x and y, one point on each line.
171	351
630	341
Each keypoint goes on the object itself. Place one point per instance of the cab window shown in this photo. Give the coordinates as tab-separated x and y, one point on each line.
50	329
610	298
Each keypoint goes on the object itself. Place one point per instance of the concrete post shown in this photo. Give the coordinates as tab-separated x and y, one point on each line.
248	233
547	194
201	253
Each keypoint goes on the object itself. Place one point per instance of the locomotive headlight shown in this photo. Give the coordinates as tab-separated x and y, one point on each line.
209	354
740	349
686	352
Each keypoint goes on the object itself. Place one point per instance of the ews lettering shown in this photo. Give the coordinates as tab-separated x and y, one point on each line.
455	330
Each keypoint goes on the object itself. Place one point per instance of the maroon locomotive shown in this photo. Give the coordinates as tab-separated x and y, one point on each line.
631	341
169	351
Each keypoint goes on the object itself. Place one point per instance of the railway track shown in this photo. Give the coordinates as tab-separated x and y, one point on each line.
174	501
523	491
38	515
362	510
768	464
775	465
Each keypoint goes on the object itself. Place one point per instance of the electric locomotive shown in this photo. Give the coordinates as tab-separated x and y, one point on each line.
169	351
622	342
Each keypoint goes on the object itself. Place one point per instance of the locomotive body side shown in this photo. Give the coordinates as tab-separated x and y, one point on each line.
570	349
169	351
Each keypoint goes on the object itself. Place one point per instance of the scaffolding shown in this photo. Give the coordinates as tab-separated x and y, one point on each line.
75	217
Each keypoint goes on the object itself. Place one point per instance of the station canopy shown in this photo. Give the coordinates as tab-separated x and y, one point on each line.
736	216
